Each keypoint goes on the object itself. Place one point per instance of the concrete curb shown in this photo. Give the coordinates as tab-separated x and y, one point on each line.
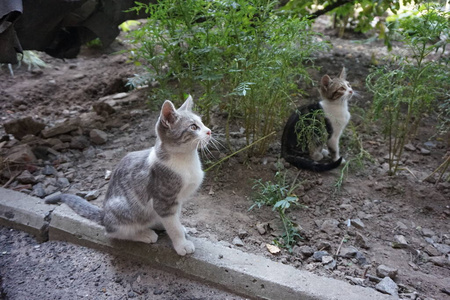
246	274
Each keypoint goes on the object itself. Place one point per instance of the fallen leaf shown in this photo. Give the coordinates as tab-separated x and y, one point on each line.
273	249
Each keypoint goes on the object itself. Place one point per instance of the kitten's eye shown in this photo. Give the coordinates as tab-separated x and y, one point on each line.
193	127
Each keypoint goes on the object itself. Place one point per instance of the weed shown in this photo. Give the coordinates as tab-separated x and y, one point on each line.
405	91
280	196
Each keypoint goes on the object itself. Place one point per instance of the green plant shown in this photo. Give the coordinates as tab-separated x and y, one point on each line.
280	196
409	88
356	153
311	130
238	56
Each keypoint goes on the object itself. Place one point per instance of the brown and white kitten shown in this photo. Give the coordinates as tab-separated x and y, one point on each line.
334	94
148	187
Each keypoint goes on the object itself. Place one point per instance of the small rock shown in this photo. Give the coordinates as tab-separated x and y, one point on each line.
387	286
61	128
98	136
237	242
305	251
348	252
20	154
317	256
361	259
50	189
103	109
326	259
120	96
108	174
356	281
323	245
401	226
410	147
261	227
242	234
62	182
79	142
92	195
22	127
428	232
38	190
385	271
330	226
441	261
443	248
400	242
49	170
26	177
361	241
357	223
425	151
431	251
430	144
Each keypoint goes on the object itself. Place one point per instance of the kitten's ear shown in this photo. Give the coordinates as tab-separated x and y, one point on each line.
343	74
168	114
325	81
188	104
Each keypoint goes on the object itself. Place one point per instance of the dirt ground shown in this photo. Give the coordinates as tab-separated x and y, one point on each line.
400	222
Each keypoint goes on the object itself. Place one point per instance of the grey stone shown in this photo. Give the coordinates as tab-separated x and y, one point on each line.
20	154
38	190
79	142
441	261
317	256
103	108
242	234
49	170
443	248
22	127
120	96
355	280
357	223
387	286
361	259
98	136
61	128
237	242
348	252
62	182
306	251
26	177
323	245
425	151
326	259
430	144
361	241
399	242
385	271
330	226
261	227
401	225
410	147
427	232
431	251
92	195
50	189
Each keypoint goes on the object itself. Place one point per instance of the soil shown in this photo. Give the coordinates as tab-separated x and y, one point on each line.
371	212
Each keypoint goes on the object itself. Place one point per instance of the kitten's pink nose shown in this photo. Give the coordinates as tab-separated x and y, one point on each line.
208	132
351	91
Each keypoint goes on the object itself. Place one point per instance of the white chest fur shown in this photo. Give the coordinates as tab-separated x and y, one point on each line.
189	168
338	114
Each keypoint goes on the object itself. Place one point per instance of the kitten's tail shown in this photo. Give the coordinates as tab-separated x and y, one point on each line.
303	163
79	205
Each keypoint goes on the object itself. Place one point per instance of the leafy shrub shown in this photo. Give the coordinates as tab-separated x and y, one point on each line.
238	56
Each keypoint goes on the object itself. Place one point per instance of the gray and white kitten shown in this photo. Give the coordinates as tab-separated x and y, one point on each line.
148	187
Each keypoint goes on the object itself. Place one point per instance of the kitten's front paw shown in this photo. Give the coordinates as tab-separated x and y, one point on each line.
325	153
317	156
185	247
